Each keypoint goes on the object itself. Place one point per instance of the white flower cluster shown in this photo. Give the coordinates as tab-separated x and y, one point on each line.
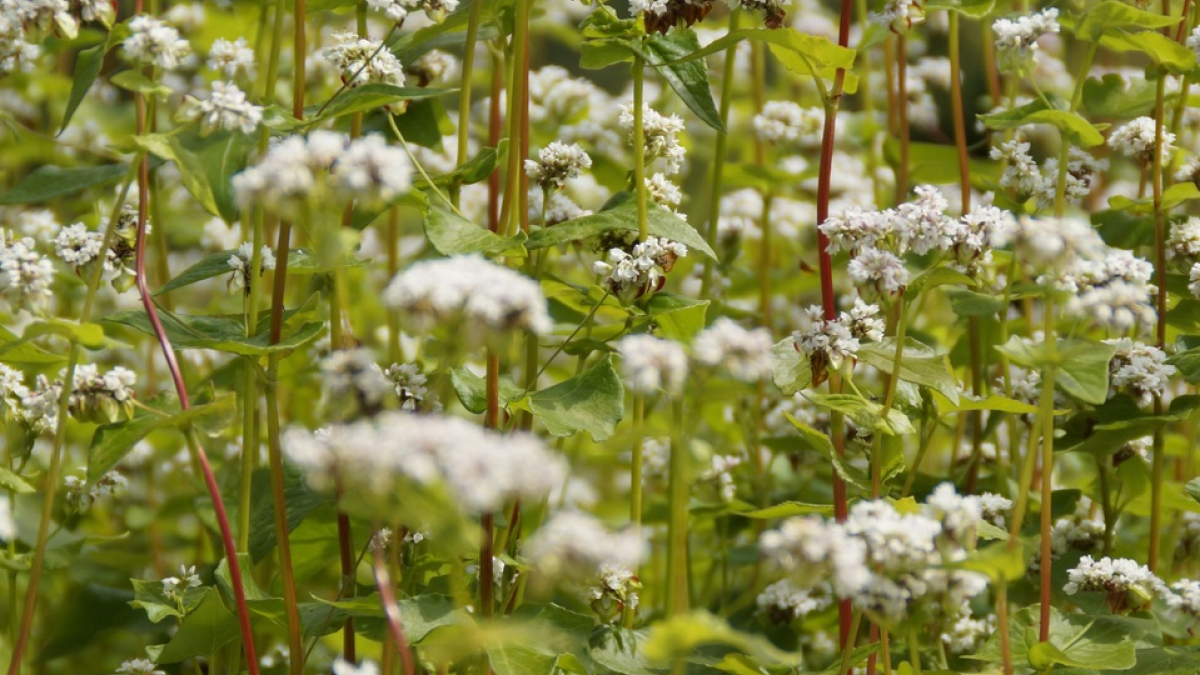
614	588
577	544
633	274
784	601
995	508
786	123
649	364
480	469
226	109
240	262
1078	532
1183	243
825	343
102	398
556	164
1136	139
174	588
959	514
81	495
744	354
1185	597
1193	40
398	10
1139	369
153	42
231	58
1026	179
1128	585
720	472
900	15
409	383
366	169
139	667
37	409
352	379
967	634
366	667
25	274
77	245
1114	290
661	133
472	289
1016	39
884	561
360	61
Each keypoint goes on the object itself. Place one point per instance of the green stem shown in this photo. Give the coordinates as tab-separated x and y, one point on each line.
914	648
464	99
851	642
1046	418
1060	189
677	532
639	150
719	152
635	483
1159	459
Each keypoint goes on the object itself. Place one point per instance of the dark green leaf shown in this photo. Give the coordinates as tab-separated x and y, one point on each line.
368	97
87	67
593	401
1113	97
49	182
689	79
191	171
451	234
678	318
300	501
223	332
919	364
202	632
620	214
970	303
111	442
1078	130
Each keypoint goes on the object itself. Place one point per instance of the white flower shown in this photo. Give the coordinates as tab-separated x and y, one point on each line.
633	274
1016	39
721	473
240	262
481	292
863	321
1128	585
661	134
649	364
656	7
409	384
77	245
995	508
175	587
24	272
1193	40
371	171
783	601
1184	241
226	108
1139	369
745	354
352	374
289	173
153	42
577	543
854	229
825	343
983	228
1136	139
220	236
925	225
231	58
1021	172
557	163
664	193
878	273
785	123
1185	597
967	633
8	525
900	15
959	514
139	667
361	61
344	667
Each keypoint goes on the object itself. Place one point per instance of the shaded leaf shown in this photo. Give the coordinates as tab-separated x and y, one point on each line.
49	182
593	401
620	214
202	632
111	442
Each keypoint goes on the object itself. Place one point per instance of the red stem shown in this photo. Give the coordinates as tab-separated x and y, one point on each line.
210	481
384	583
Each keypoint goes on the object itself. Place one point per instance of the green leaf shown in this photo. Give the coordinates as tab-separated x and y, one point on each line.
619	651
938	164
973	9
919	364
1082	365
689	79
222	155
519	659
812	438
111	442
1113	15
422	614
368	97
224	332
676	638
425	123
87	67
202	632
678	318
934	277
1113	97
89	335
1078	130
1163	50
137	82
1154	661
451	234
790	370
620	215
49	182
799	52
1172	197
13	482
787	510
1103	642
994	402
999	562
593	401
148	596
299	498
866	414
300	261
472	389
21	352
191	171
970	303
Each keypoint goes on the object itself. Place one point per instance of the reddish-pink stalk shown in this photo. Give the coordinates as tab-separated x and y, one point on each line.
210	480
825	262
383	583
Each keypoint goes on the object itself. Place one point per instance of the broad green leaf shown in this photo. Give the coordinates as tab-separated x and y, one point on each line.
368	97
87	67
111	442
866	414
1082	365
202	632
919	364
422	614
934	277
425	123
13	482
472	389
1172	197
221	156
619	650
89	335
994	402
20	352
1163	50
1104	642
974	9
1113	97
998	562
620	214
137	82
1078	130
678	318
148	596
49	182
935	164
451	234
191	171
689	79
1178	660
1113	15
476	169
299	498
787	510
790	370
970	303
519	659
300	261
811	437
676	638
799	52
224	332
593	401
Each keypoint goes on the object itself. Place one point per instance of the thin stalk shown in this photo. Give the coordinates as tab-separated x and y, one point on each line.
391	611
677	533
914	648
635	487
848	648
905	132
50	489
1046	417
1060	189
1106	505
639	150
720	149
464	98
487	579
1158	462
1002	625
493	211
518	112
764	262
